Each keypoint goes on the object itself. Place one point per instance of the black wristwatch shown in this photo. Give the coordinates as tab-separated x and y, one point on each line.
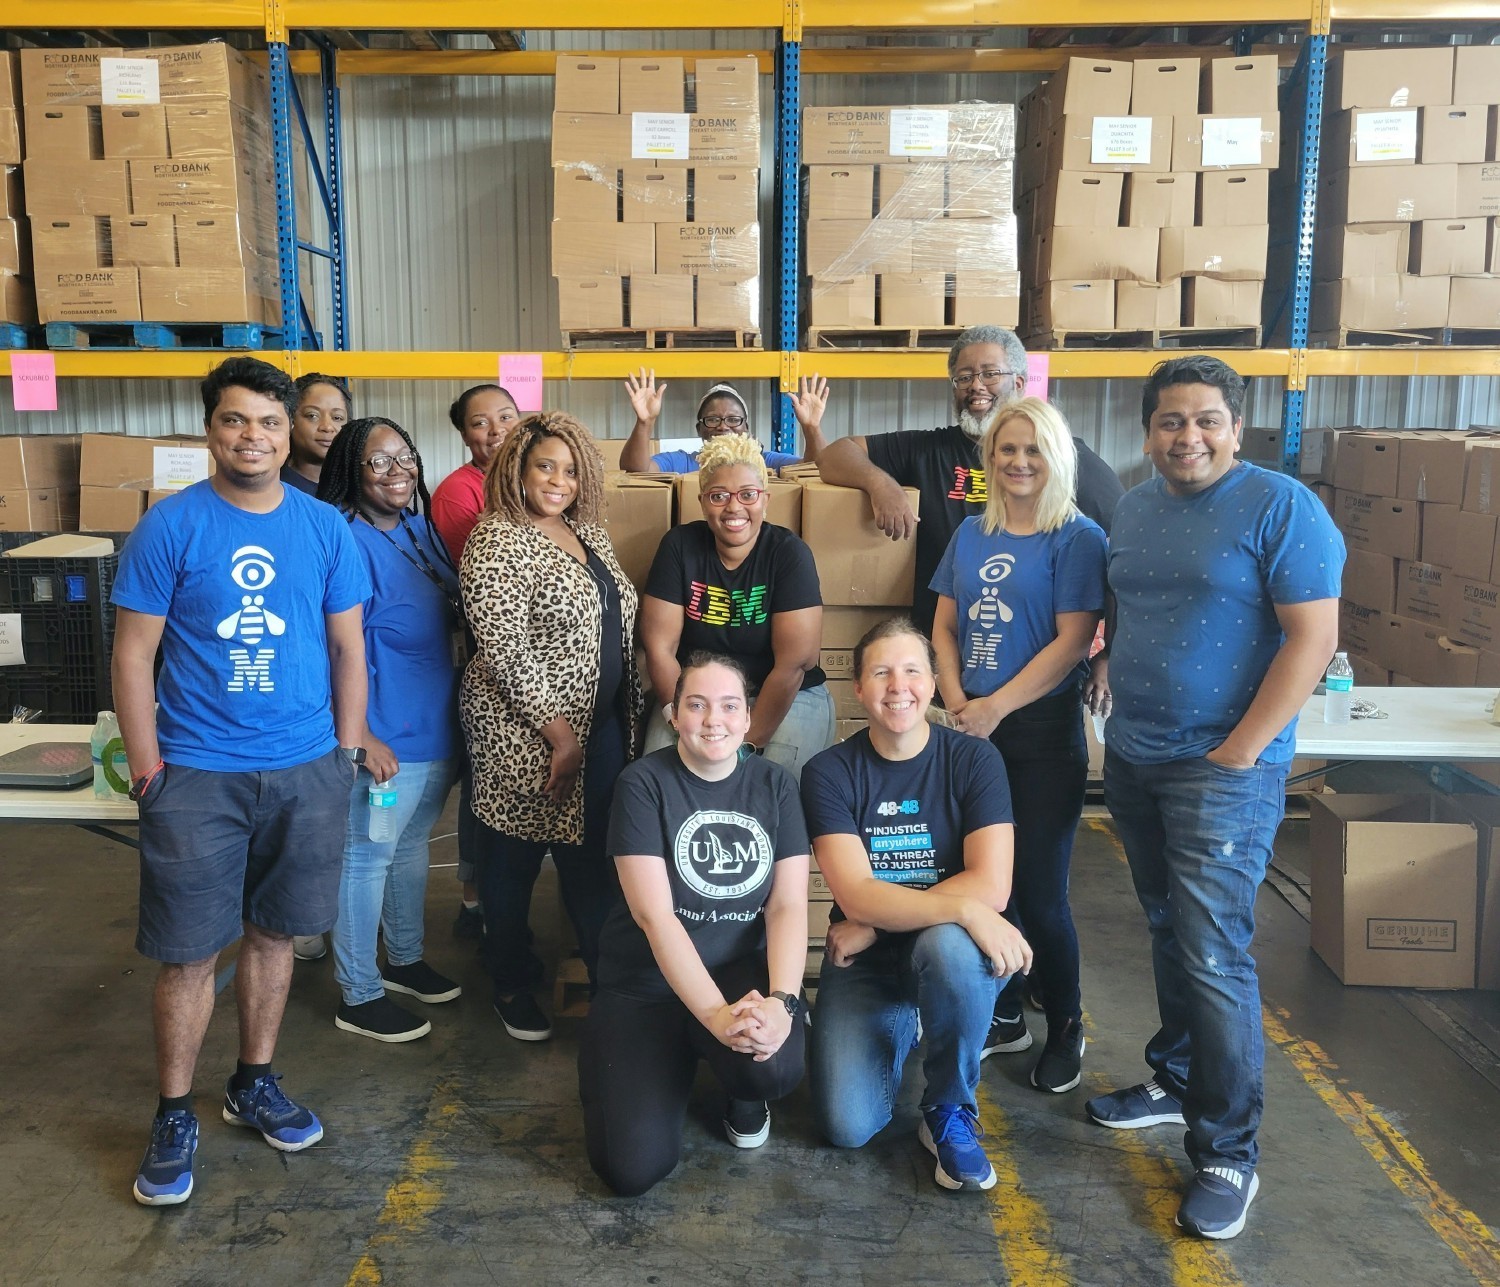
354	754
793	1004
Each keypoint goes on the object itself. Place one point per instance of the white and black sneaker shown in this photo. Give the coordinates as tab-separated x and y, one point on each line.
1061	1066
1218	1200
1008	1035
381	1019
523	1018
1134	1107
747	1122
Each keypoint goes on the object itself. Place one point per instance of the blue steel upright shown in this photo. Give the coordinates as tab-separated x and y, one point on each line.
788	214
286	215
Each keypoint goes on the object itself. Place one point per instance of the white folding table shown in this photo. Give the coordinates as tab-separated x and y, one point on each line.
1431	725
78	806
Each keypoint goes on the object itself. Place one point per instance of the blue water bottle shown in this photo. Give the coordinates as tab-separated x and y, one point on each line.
383	811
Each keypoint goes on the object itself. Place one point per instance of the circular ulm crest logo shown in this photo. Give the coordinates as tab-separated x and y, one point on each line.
722	854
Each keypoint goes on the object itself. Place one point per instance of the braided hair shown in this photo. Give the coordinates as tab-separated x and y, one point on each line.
306	382
502	481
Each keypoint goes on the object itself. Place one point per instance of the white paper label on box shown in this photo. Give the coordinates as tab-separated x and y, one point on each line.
1386	136
130	80
1121	140
661	135
11	652
1234	140
919	131
173	468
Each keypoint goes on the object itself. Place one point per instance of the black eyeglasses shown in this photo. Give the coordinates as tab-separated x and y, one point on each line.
726	422
988	378
380	465
721	496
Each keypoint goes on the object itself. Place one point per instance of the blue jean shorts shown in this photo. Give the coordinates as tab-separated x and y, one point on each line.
218	849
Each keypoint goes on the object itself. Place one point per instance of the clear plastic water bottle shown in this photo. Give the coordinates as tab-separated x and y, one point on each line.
382	811
1338	690
107	749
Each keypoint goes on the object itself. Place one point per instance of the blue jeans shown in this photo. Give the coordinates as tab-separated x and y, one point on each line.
865	1025
1198	838
806	729
384	885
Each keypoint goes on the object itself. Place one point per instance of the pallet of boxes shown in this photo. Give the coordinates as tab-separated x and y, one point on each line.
1144	201
1406	250
656	183
909	226
151	195
17	295
121	476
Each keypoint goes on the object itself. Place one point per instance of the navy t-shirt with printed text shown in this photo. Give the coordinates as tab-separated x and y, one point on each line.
1008	591
1197	580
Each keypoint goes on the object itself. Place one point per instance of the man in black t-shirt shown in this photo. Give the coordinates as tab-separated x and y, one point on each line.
987	367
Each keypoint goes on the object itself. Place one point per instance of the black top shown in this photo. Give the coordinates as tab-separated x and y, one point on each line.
943	465
611	660
730	612
292	478
718	842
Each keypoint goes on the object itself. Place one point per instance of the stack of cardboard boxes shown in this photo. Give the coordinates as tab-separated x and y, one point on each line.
39	483
656	178
1409	193
17	299
122	476
909	216
150	185
1144	194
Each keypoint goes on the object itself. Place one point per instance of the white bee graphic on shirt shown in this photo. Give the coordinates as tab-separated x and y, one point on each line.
252	569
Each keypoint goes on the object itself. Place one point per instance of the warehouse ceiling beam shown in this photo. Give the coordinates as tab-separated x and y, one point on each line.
426	40
507	41
343	38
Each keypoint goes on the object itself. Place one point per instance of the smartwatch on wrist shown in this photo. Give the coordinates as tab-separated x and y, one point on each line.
793	1004
354	754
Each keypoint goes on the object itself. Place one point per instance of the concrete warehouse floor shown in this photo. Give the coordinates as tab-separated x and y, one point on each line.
458	1159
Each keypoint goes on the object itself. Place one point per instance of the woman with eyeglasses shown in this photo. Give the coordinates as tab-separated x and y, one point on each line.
373	474
736	585
551	701
720	410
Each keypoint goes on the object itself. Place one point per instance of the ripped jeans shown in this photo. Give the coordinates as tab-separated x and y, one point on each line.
1198	837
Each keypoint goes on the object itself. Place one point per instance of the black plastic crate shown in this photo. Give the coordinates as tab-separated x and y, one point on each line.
67	635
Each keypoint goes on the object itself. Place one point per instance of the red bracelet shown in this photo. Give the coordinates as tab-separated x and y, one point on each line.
139	786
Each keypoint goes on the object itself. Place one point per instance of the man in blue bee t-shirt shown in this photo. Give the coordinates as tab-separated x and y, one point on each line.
252	591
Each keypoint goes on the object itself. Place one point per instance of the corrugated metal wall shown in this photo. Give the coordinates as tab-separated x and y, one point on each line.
449	193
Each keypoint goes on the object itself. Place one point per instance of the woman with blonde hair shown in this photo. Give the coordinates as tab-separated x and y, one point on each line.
738	586
551	701
1020	595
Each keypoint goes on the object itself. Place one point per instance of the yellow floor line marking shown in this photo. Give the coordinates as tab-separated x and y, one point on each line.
1465	1234
1022	1230
416	1191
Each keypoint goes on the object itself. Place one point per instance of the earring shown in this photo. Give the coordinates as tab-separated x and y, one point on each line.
523	493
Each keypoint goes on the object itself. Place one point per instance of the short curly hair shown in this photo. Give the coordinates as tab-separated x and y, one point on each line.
503	494
727	449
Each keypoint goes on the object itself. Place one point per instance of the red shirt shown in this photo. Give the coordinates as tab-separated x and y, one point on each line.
456	506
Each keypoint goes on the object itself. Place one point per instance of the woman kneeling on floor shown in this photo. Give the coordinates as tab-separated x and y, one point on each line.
704	959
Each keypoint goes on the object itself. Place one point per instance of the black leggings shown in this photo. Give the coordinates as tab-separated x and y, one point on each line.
636	1065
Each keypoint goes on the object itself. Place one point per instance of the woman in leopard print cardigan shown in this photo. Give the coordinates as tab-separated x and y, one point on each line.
551	701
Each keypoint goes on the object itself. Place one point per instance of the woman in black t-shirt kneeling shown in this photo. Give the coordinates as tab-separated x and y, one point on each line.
704	958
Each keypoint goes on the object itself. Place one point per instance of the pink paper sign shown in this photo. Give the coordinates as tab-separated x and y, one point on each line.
1037	365
521	377
33	381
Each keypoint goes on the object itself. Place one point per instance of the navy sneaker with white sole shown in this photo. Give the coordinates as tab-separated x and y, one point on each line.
951	1133
283	1124
1135	1107
1218	1200
166	1174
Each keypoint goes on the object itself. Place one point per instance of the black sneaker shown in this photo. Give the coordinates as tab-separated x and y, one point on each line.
1034	995
1218	1200
1061	1066
419	980
523	1018
381	1019
1136	1106
1007	1035
470	922
747	1122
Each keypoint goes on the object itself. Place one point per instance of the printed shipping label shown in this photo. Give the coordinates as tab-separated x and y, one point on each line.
655	135
130	80
1121	140
1386	136
173	468
1232	141
919	132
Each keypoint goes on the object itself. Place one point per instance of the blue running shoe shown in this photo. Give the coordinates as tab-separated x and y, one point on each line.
951	1133
166	1174
283	1124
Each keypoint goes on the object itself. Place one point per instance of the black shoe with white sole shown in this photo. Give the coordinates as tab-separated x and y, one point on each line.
523	1018
1008	1035
747	1122
419	980
381	1019
1061	1066
1218	1200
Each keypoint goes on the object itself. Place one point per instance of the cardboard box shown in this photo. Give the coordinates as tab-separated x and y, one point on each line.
1239	256
1432	466
236	293
1459	133
147	241
38	461
956	132
1363	250
586	83
913	299
1380	524
842	301
1476	73
117	461
589	138
603	249
652	85
42	509
724	194
732	250
650	195
17	300
1082	199
1472	552
1160	200
1482	478
109	509
587	195
916	192
726	83
945	245
1099	254
661	300
65	132
1434	660
1233	198
980	298
726	304
1440	532
1475	301
1086	87
10	78
590	303
1393	76
1476	190
190	185
1390	194
1207	301
211	70
857	564
1420	593
978	191
217	128
1363	630
76	187
1075	306
1121	144
134	130
841	192
610	449
843	248
1369	462
1370	580
845	625
1214	142
208	239
638	513
68	244
1148	306
1367	674
11	151
1474	613
1449	247
1483	811
89	295
836	663
1164	88
1374	136
1393	302
1241	86
727	138
56	76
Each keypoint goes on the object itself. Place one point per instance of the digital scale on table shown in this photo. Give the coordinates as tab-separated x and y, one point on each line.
58	766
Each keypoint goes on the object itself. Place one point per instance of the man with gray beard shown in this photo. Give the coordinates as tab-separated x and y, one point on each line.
987	369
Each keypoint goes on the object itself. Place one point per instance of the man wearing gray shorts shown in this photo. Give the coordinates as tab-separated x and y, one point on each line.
242	751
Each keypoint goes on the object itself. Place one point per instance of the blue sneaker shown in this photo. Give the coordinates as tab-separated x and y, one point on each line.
1218	1200
166	1174
283	1124
951	1133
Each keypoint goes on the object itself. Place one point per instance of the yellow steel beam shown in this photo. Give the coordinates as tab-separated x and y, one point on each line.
1444	361
1085	364
604	364
864	14
485	15
1405	11
472	62
136	364
146	15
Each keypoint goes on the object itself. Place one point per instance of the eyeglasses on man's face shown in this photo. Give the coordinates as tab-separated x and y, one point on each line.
988	378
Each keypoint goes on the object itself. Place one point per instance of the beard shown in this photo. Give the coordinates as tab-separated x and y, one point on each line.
977	426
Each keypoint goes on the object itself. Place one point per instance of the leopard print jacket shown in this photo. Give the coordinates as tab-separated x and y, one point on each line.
535	614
